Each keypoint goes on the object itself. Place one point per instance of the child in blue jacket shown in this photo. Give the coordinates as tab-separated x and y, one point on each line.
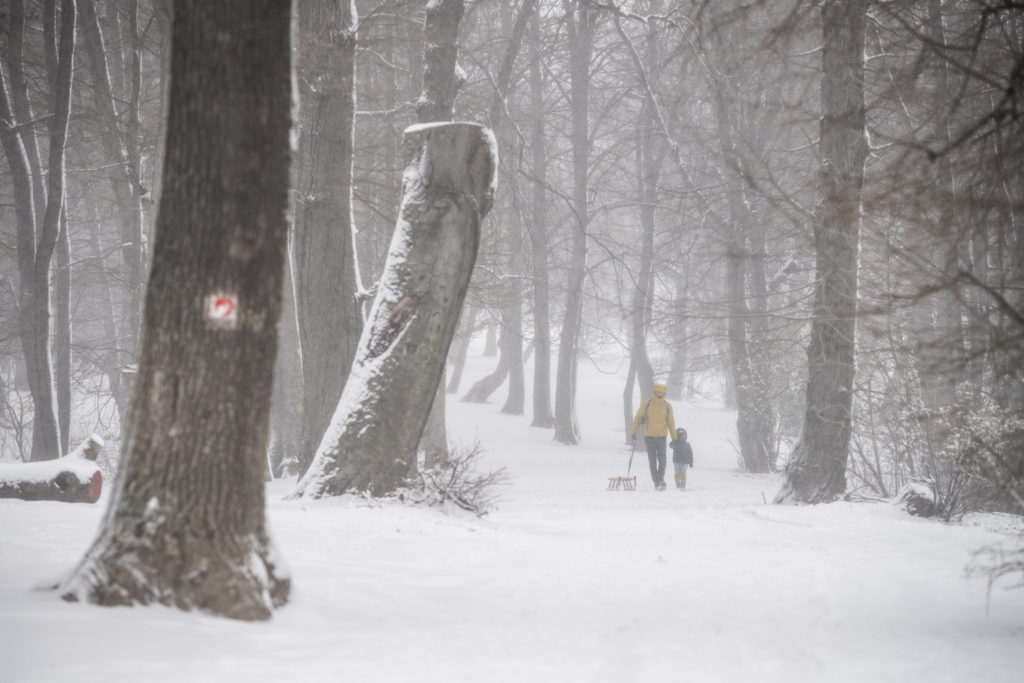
682	458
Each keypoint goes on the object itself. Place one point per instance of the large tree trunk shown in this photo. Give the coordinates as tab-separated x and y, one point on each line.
329	316
448	189
186	524
581	44
816	471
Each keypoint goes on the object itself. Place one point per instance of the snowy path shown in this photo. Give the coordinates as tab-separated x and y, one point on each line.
564	582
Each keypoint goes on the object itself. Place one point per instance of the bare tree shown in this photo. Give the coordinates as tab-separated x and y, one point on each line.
816	471
124	173
580	20
186	523
38	205
539	240
384	408
328	311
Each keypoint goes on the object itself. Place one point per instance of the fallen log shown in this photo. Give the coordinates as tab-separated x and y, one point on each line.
75	478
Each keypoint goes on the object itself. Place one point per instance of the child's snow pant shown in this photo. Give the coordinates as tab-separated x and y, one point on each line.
681	468
656	458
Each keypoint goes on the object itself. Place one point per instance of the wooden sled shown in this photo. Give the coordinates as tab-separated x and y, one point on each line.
622	483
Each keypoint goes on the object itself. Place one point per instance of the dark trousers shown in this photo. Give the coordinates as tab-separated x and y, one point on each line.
656	458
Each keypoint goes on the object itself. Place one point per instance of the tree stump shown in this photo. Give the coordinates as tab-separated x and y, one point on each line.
448	188
75	478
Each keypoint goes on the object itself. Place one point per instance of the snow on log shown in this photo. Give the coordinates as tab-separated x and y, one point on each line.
447	189
75	478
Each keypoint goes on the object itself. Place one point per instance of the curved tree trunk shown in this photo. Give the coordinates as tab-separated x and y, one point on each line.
510	346
483	388
186	524
374	434
816	471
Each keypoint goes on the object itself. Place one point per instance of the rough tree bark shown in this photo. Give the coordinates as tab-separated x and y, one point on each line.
447	190
440	58
328	311
186	524
816	471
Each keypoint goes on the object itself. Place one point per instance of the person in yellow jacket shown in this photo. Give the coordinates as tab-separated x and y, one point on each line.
658	421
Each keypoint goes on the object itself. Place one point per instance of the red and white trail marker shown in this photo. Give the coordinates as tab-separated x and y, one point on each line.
222	309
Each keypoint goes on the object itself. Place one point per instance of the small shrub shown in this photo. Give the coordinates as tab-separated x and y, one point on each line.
918	498
456	482
995	562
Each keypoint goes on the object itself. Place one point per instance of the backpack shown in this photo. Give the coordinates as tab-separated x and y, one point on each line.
647	406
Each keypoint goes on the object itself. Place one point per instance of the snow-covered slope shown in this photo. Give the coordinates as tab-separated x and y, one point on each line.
564	582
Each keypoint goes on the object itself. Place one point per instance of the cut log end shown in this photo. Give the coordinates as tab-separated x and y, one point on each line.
75	478
95	486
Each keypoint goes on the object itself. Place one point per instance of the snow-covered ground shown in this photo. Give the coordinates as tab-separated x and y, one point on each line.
564	582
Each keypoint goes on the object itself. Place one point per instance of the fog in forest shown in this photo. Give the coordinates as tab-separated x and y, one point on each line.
807	213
